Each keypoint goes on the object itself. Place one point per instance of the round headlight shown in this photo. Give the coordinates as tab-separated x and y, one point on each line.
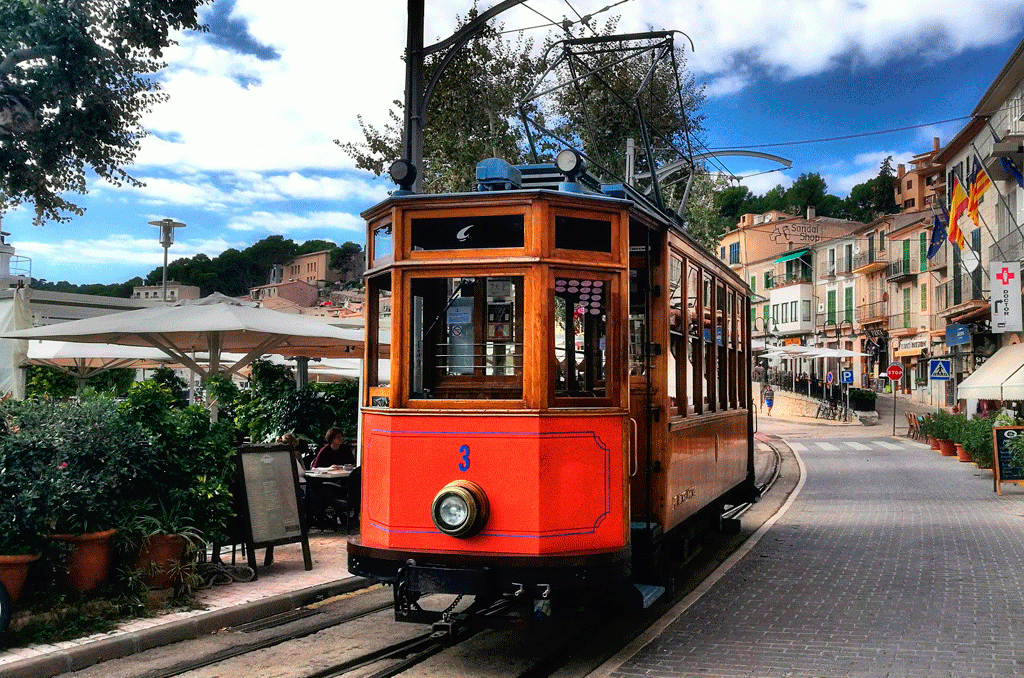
460	509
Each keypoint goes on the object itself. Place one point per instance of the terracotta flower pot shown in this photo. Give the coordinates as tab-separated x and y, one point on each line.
947	448
89	559
159	556
933	442
961	454
13	570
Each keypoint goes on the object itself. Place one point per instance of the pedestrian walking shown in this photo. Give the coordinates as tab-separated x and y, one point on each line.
769	398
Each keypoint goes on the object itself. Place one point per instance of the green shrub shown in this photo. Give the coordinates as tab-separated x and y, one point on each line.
976	439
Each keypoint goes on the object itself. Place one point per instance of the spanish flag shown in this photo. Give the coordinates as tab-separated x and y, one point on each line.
978	185
956	209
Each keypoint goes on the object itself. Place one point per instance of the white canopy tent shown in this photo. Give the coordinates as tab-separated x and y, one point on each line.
1001	377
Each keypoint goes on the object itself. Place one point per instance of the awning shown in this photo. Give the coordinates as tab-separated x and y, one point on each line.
791	255
1001	377
908	352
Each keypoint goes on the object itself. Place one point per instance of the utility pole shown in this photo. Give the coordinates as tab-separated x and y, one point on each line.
417	96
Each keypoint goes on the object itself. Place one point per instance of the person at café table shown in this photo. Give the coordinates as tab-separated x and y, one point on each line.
335	452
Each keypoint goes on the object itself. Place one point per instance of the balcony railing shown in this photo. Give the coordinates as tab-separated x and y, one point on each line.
940	260
872	311
902	268
906	320
963	288
791	279
1008	248
869	257
841	266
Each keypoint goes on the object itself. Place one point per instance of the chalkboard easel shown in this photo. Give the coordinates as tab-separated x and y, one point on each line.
272	501
1005	471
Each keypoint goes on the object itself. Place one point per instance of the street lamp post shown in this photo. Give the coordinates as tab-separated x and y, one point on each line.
166	227
823	334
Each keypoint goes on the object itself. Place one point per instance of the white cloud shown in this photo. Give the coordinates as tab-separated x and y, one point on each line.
287	222
116	249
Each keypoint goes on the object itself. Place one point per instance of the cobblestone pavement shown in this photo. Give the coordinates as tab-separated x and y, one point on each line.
891	561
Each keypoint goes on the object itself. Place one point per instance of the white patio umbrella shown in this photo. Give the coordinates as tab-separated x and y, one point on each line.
213	324
87	360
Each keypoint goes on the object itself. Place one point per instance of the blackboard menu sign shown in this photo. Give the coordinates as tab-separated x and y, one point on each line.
1005	470
272	500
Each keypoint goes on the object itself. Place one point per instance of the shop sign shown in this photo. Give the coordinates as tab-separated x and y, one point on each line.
1006	302
792	341
911	344
957	334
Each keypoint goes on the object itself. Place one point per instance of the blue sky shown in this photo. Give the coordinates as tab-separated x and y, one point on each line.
244	147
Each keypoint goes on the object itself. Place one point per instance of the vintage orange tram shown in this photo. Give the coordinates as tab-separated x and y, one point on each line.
556	389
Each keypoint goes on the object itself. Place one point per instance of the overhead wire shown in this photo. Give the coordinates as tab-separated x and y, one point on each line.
846	136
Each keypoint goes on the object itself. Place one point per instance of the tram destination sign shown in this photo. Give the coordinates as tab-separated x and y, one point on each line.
1002	457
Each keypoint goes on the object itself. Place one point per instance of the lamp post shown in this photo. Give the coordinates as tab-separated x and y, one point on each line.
823	334
166	227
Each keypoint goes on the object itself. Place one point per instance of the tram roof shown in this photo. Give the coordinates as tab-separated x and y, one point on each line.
546	179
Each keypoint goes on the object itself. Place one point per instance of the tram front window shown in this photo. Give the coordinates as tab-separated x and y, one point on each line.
466	338
580	337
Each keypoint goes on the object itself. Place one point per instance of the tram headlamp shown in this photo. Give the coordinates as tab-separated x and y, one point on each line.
570	163
460	509
403	173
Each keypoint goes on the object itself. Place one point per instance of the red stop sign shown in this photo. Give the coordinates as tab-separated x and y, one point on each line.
894	372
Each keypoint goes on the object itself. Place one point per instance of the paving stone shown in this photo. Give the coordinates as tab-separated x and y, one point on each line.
893	561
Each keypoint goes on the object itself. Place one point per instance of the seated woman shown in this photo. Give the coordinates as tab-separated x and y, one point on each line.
336	452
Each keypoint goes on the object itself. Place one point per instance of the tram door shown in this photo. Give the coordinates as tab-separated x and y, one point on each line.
643	386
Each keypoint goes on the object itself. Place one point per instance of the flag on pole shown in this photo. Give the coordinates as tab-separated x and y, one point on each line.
956	209
979	183
1009	166
938	235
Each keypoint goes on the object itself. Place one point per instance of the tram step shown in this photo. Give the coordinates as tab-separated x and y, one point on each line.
650	593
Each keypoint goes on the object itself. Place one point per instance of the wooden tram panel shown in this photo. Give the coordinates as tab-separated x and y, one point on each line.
547	497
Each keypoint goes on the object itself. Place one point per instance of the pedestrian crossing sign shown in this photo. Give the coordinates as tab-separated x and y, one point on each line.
938	370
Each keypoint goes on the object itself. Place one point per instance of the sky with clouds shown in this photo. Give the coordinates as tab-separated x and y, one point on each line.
244	147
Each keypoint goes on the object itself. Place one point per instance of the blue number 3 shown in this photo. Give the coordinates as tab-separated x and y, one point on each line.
464	451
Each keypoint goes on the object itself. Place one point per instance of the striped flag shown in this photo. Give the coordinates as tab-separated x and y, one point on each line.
979	183
956	210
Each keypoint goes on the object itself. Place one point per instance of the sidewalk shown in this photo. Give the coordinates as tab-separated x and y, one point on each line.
280	587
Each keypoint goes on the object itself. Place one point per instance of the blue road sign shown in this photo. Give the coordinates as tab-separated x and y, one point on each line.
939	370
828	377
845	376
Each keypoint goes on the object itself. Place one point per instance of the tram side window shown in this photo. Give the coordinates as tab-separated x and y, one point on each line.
580	331
708	336
466	338
723	309
694	356
637	320
383	245
677	337
378	362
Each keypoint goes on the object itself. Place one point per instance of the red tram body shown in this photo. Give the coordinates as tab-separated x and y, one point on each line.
556	391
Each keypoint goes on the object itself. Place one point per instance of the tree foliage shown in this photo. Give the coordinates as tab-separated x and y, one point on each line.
474	111
470	116
704	223
867	201
75	81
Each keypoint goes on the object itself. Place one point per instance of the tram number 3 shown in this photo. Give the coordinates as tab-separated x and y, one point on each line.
464	465
683	497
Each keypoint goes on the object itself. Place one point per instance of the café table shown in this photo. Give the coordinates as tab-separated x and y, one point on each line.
331	484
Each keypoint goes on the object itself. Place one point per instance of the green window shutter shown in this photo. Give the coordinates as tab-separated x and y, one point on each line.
848	303
831	307
753	283
924	251
766	312
906	254
906	307
924	296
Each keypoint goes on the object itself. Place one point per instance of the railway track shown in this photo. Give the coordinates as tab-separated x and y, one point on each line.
568	649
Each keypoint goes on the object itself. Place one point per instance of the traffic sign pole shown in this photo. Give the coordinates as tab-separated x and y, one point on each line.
895	374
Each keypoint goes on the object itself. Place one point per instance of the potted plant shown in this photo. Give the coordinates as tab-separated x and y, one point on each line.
93	458
977	441
167	542
23	517
944	426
